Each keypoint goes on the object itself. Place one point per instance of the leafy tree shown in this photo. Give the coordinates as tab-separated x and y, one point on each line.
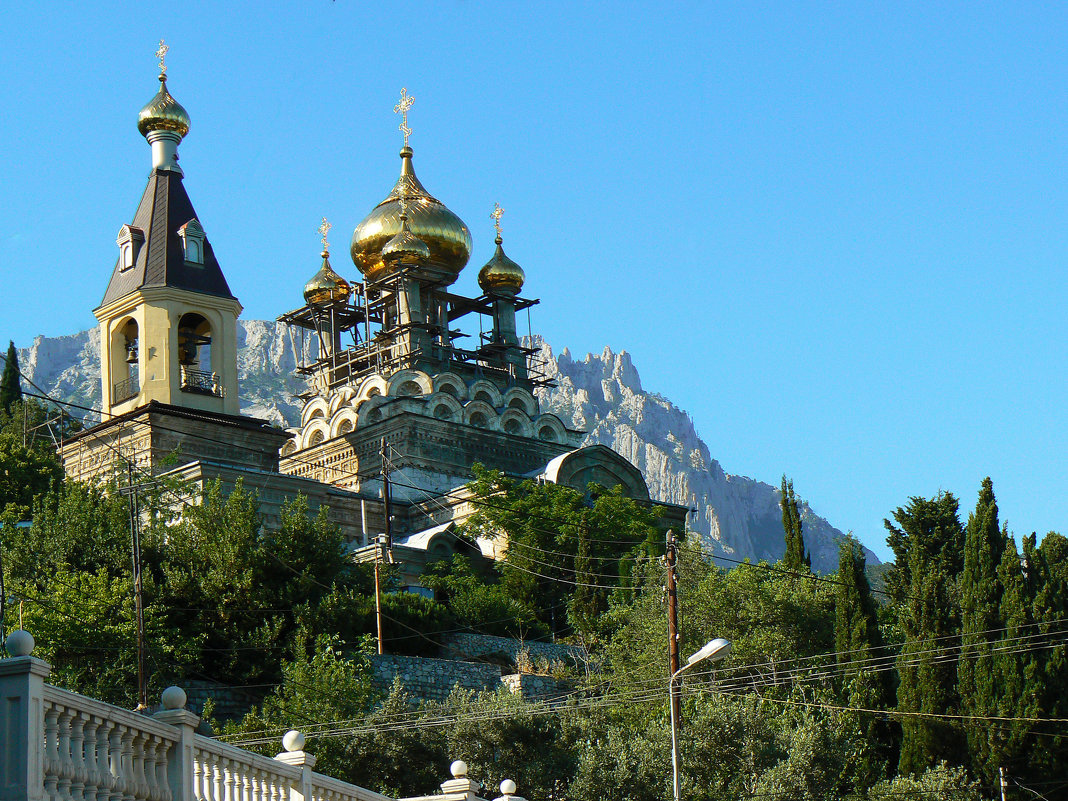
562	546
928	544
941	781
795	557
478	600
10	385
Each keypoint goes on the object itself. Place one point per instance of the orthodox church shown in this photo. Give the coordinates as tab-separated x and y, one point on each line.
397	411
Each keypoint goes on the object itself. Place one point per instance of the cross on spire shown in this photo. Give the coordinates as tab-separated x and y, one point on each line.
401	108
324	229
496	214
161	54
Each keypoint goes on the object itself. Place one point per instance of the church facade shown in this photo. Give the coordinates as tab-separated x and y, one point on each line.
397	411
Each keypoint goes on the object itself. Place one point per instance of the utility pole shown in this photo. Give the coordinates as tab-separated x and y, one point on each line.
1004	783
135	545
378	592
671	556
386	496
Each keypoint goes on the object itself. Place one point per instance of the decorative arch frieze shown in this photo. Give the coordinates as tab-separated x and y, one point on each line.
480	415
410	382
485	391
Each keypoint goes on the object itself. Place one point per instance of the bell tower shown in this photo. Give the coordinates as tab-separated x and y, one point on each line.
168	321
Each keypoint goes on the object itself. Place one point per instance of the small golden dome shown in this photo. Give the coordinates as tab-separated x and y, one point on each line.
405	247
444	234
501	274
326	286
163	113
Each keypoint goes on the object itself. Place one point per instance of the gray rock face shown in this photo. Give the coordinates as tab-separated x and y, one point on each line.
603	395
737	516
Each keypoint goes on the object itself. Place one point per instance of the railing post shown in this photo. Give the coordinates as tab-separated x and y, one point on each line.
180	761
295	755
22	721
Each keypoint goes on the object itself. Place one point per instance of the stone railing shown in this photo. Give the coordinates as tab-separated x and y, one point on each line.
94	750
56	745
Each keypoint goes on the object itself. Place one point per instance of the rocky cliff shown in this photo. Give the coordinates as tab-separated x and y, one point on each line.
601	394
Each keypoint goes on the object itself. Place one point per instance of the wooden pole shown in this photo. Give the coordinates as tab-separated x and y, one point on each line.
673	625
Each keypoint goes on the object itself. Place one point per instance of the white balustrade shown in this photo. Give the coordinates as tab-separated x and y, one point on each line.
60	746
97	752
226	773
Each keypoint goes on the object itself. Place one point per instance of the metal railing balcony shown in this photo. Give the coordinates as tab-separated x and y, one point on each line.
124	390
201	382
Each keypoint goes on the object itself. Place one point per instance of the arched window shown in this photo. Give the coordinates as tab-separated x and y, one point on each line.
195	356
125	350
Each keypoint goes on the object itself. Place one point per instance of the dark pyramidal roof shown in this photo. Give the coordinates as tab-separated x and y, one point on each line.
165	207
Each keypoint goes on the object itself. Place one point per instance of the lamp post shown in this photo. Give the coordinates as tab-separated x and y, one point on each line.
714	650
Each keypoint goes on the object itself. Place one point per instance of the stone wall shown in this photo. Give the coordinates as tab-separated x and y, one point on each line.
432	679
505	651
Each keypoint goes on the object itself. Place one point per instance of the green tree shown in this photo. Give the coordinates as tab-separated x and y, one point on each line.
982	628
858	641
927	542
795	557
10	385
563	546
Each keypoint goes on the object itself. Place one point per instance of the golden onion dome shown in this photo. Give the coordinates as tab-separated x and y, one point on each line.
326	286
163	113
444	234
501	274
405	247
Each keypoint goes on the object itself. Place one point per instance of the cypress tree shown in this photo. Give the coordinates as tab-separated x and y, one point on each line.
1046	576
857	641
928	543
795	557
10	388
982	626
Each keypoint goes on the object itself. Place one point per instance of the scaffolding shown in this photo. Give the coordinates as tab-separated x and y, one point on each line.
372	332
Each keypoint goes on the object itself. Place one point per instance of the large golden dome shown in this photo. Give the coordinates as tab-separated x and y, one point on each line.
163	113
500	274
445	235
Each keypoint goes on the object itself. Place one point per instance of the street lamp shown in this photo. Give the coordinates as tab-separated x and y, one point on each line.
715	650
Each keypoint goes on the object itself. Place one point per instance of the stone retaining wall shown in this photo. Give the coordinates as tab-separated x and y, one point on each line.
484	647
432	679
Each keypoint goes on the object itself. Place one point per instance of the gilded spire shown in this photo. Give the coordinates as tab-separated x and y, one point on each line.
161	54
324	229
402	108
500	275
496	214
163	112
326	286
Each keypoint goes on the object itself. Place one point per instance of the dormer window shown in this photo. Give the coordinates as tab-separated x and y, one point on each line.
193	241
129	241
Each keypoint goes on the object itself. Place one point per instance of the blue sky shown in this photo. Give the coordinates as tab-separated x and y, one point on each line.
832	232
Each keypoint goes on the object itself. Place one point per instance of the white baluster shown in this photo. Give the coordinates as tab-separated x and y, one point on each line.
198	775
113	755
127	780
51	753
66	768
78	771
89	755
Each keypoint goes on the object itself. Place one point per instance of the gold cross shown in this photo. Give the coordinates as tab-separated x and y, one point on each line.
401	108
162	54
497	213
324	229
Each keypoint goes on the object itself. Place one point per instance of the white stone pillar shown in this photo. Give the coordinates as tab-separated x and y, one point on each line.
22	727
180	761
295	755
